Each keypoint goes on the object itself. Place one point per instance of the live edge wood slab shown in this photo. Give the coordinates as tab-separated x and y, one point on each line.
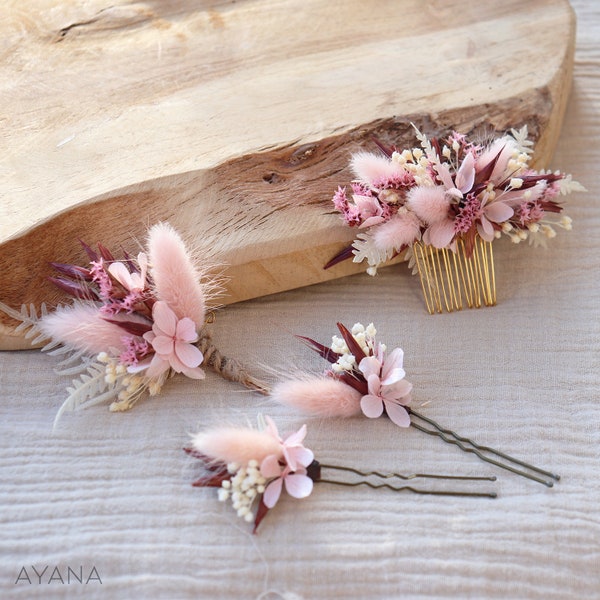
235	120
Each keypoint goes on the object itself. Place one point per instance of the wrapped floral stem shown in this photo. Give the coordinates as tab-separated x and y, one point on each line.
133	323
252	467
444	204
364	379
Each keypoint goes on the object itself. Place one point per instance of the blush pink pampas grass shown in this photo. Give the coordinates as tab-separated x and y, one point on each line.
319	396
175	278
401	230
83	328
236	445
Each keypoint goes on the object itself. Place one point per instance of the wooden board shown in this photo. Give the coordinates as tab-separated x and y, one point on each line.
235	120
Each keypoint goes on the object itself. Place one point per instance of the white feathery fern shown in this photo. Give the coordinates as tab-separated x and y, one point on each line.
91	387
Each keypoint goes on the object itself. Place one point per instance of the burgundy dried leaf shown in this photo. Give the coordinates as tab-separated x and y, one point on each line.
77	290
214	480
325	352
357	381
483	176
387	150
209	463
262	511
105	253
345	254
131	327
92	255
352	344
74	271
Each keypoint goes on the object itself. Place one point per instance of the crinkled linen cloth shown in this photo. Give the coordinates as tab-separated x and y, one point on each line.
110	493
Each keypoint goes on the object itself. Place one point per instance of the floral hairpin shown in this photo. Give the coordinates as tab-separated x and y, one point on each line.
251	468
134	323
363	378
445	203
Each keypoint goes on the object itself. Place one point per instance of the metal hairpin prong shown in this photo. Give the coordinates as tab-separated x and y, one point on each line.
376	486
451	437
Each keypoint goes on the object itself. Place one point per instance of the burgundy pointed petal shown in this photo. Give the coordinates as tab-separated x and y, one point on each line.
352	344
261	513
345	254
131	327
77	290
323	351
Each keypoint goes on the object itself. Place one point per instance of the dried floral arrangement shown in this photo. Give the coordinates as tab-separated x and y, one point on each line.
133	323
251	467
364	379
444	203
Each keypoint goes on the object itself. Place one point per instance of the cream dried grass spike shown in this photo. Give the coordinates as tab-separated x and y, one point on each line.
451	279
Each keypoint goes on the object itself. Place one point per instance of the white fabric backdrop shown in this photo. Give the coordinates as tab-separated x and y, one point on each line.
113	491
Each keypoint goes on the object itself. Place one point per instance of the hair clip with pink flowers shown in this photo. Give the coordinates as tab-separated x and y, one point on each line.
251	467
133	323
363	378
444	204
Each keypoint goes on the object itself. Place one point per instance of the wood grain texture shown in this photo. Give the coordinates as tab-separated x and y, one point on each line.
235	120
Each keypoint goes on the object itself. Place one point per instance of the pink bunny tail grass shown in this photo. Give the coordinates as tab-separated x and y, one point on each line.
373	168
319	396
401	230
236	445
176	280
430	203
82	327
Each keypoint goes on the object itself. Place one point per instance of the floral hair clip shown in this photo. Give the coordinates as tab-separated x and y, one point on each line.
134	323
364	379
251	468
445	203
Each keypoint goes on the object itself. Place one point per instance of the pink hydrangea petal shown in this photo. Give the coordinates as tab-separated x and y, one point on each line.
369	222
369	366
296	438
374	384
189	355
498	212
121	273
196	373
398	414
372	406
440	234
186	330
397	390
163	345
298	486
485	230
394	376
444	172
393	361
272	493
272	428
298	456
465	175
164	318
270	467
141	366
157	367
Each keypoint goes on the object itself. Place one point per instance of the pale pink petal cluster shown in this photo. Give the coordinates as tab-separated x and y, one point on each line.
290	470
173	342
387	387
132	281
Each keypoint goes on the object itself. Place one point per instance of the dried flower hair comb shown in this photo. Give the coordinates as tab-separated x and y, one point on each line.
362	379
133	323
251	467
445	203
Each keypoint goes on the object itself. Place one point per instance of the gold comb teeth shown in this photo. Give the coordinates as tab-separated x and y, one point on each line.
452	279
